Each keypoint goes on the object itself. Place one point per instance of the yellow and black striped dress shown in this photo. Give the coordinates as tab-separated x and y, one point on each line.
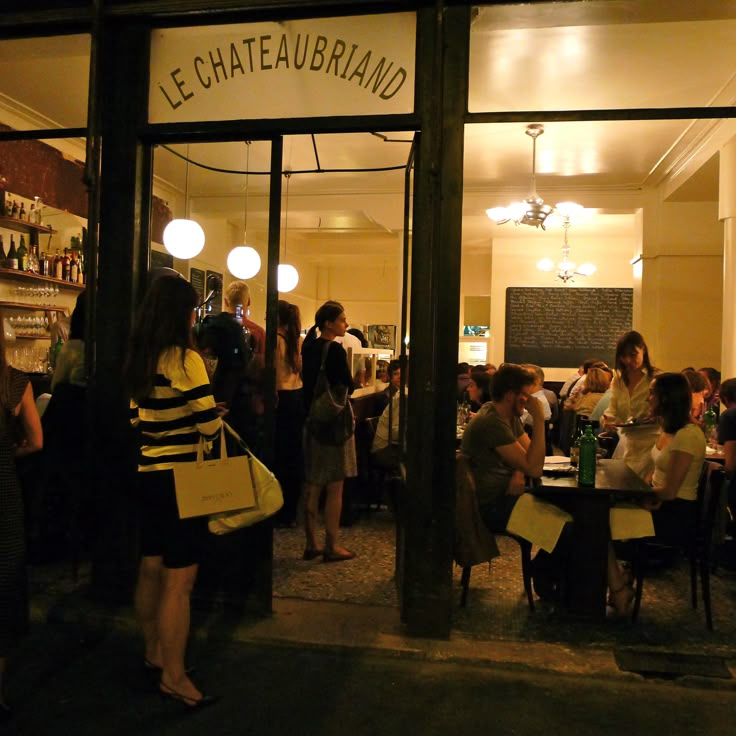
179	410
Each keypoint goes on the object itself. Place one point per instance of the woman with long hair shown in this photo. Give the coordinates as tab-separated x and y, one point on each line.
677	458
630	403
289	465
597	382
20	435
172	405
326	464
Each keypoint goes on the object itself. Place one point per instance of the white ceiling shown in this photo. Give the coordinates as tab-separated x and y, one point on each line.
551	56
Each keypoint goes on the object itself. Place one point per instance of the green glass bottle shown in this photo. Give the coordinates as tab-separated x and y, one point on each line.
587	460
710	423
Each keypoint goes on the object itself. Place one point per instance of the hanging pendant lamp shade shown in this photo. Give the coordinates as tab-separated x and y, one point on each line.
287	277
184	238
243	261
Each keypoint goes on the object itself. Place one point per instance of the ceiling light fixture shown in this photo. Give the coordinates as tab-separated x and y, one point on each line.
566	269
244	262
533	210
184	238
287	276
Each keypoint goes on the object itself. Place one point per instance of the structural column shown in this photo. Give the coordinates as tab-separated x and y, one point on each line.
727	213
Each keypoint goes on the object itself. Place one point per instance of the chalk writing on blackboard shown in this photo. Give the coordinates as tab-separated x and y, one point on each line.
561	327
196	278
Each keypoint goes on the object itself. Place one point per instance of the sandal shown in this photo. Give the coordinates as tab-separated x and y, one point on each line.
312	554
335	556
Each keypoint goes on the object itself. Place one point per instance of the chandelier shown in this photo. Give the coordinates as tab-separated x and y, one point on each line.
533	210
566	269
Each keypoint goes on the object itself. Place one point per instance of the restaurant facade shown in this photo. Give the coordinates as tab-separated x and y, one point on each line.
178	73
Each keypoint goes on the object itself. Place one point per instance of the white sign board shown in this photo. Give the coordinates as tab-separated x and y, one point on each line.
321	67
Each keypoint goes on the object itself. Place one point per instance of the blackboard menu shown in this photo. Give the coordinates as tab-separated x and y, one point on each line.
196	279
562	327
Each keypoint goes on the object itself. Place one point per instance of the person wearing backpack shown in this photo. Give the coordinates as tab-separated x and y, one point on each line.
237	344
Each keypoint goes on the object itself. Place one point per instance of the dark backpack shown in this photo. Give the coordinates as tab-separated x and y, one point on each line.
233	346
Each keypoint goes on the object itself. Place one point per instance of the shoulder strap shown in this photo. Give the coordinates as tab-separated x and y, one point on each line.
325	350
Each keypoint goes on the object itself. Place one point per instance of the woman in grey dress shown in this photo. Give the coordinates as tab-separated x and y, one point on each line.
20	434
327	460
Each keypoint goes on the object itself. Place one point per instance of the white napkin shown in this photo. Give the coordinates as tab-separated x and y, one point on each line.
538	521
629	521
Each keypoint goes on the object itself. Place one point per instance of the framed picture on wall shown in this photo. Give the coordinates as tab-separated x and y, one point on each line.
196	278
381	336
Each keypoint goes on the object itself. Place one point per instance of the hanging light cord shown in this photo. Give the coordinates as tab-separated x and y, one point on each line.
245	206
287	174
186	187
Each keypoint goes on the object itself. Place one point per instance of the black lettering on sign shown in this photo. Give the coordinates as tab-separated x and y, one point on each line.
561	327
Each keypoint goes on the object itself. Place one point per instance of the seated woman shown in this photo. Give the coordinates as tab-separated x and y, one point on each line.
678	456
698	387
597	382
479	390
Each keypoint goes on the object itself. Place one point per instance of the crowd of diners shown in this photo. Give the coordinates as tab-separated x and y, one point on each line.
657	419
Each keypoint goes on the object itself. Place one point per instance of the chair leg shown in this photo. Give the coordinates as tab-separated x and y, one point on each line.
705	582
693	555
526	571
640	564
465	582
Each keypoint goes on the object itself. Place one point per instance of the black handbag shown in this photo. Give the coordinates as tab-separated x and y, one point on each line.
330	419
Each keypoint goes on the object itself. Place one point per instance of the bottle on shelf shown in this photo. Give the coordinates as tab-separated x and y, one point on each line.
3	254
8	205
12	261
15	209
22	255
57	349
32	214
73	268
33	260
80	276
65	266
22	211
587	460
57	269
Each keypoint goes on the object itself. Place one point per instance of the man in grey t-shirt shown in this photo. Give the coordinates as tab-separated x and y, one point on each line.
499	451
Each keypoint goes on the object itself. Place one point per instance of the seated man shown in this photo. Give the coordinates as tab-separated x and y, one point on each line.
537	391
394	382
385	447
500	452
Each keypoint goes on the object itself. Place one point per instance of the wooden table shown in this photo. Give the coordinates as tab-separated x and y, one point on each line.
589	507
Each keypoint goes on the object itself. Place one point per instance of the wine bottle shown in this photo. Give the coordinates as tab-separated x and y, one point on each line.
73	268
57	265
22	211
65	266
22	254
3	254
12	255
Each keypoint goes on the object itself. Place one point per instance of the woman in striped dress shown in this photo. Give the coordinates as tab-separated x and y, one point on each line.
20	434
172	406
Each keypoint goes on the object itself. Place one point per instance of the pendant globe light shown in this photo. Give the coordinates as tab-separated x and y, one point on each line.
243	262
184	238
287	275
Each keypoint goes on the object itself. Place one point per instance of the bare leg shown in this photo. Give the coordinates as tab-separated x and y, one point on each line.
621	593
311	513
147	601
173	629
333	509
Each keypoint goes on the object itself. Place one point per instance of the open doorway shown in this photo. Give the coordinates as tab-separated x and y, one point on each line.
341	226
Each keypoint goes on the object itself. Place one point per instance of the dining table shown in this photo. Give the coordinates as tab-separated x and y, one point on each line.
587	556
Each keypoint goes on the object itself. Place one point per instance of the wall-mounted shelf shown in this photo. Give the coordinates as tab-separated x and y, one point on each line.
32	307
22	226
12	273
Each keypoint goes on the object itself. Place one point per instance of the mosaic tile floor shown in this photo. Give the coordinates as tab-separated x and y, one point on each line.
497	608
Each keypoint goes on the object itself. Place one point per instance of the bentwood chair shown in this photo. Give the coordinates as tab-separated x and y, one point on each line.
474	544
699	549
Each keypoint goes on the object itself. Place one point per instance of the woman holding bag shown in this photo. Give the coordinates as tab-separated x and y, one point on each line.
329	446
172	406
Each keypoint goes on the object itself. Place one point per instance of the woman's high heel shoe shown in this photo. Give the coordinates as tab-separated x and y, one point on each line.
191	703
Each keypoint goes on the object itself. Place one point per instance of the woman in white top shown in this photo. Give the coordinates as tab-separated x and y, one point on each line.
289	463
677	458
630	402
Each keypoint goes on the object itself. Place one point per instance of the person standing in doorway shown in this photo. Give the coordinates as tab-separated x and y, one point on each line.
327	462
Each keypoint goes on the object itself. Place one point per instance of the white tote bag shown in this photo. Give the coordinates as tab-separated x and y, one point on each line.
205	487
